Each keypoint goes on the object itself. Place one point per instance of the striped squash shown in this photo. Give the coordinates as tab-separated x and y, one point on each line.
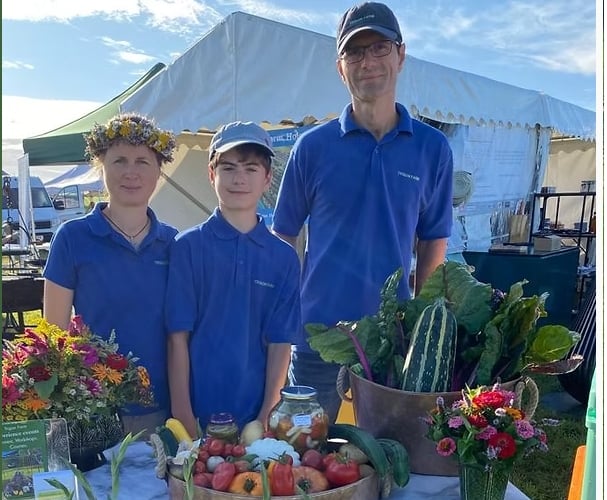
431	355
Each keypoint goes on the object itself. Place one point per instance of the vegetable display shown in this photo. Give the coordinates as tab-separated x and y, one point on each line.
215	464
482	334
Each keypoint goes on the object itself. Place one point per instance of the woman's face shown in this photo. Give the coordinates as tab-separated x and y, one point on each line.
130	174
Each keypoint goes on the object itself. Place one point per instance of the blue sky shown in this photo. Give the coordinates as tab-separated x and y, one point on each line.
62	59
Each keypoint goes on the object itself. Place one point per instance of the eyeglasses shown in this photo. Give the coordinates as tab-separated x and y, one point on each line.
381	48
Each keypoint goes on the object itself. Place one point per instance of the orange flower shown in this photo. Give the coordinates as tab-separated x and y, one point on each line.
102	372
31	401
515	413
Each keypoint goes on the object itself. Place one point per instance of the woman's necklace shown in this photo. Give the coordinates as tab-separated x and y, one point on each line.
130	237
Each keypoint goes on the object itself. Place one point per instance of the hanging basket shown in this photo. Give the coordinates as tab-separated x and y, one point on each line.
392	413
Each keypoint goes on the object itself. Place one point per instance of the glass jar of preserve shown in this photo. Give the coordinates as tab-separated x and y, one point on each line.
223	426
299	419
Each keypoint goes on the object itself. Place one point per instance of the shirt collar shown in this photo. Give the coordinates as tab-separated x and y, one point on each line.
347	123
101	227
225	231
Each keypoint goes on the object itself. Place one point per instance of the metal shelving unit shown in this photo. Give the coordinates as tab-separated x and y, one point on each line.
583	238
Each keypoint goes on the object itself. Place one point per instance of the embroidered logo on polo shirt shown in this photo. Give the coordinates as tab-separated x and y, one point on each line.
408	176
263	283
162	262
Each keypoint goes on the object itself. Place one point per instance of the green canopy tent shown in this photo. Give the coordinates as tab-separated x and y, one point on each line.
65	144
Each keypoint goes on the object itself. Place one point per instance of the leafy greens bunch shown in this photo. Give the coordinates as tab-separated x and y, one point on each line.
497	332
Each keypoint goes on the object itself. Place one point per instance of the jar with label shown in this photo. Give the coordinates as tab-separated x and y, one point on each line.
299	419
223	426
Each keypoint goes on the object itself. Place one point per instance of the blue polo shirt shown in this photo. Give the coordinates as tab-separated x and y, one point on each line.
117	287
366	202
235	293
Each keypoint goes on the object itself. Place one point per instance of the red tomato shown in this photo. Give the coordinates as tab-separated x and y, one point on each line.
309	479
331	457
340	473
203	455
239	450
223	475
313	458
202	479
227	450
199	466
216	447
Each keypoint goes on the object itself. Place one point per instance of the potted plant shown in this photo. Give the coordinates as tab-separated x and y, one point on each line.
457	331
73	374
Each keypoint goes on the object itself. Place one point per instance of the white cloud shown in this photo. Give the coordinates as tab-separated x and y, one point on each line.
558	35
16	65
24	117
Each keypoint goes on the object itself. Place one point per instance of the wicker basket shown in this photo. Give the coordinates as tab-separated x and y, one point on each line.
366	488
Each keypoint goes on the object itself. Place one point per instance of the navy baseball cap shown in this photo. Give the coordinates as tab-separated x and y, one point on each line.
372	16
237	133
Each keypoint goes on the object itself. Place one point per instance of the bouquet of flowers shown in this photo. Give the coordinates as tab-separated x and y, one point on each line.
48	372
484	429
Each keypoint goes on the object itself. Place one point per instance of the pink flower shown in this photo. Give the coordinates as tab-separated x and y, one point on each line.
89	354
76	326
524	429
10	391
486	433
446	447
456	422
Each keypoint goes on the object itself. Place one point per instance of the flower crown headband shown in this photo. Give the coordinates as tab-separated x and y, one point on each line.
134	129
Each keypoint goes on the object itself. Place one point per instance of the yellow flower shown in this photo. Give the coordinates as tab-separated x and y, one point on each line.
144	377
110	133
102	373
125	128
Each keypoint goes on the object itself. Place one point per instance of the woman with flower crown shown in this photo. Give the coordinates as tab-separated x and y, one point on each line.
110	266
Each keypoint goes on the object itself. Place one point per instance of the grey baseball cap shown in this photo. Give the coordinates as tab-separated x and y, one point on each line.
238	133
372	16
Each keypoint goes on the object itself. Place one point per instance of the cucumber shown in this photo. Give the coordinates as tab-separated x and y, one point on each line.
398	458
366	442
430	358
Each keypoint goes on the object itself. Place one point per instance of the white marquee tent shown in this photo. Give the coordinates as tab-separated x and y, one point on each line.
250	68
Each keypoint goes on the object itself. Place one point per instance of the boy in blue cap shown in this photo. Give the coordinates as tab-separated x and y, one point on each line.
232	305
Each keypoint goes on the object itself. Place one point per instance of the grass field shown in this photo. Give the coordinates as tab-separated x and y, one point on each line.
546	476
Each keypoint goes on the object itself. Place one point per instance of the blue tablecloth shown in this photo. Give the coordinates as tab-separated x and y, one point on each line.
139	482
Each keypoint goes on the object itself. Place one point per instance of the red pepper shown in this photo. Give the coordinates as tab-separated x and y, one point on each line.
282	482
223	475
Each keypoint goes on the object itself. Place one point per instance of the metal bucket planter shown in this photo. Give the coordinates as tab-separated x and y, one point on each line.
392	413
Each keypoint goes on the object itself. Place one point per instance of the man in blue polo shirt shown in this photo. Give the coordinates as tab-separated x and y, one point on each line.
375	184
232	303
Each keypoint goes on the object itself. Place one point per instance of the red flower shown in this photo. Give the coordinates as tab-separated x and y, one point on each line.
38	372
10	391
491	399
117	362
478	421
504	443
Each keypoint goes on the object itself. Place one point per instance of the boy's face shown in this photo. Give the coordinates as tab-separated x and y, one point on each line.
239	181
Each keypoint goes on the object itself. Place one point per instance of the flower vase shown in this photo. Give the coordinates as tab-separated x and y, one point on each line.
88	440
475	483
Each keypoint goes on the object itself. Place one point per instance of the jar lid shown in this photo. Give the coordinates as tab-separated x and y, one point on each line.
221	418
298	392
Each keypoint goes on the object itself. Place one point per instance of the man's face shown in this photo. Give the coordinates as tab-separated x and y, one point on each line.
372	77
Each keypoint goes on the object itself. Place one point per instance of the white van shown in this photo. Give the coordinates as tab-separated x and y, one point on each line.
46	214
